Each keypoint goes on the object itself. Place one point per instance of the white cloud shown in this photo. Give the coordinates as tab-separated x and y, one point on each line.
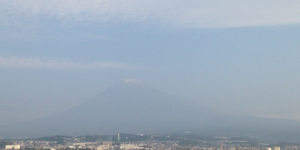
187	13
36	63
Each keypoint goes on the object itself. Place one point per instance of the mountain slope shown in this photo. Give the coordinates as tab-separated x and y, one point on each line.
133	107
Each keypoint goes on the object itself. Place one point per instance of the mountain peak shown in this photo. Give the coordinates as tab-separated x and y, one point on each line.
132	81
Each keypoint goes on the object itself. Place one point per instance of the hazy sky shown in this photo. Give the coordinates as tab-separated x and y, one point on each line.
239	57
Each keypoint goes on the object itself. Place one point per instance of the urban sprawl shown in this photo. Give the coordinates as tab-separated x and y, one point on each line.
145	142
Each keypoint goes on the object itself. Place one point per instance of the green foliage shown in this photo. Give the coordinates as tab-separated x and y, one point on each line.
29	148
188	143
93	138
85	149
57	138
3	143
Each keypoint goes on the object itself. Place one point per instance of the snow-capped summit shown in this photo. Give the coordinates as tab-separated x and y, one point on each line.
135	81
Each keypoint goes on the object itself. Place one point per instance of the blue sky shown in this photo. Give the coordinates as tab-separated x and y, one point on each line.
239	57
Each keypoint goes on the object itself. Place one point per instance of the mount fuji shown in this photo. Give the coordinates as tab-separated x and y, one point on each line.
131	106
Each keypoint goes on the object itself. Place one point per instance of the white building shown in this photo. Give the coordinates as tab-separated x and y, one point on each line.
106	147
275	148
130	146
268	148
15	147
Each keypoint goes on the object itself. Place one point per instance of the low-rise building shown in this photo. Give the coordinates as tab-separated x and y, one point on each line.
12	147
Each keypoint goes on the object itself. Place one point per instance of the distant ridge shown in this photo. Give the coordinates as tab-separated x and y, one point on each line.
131	106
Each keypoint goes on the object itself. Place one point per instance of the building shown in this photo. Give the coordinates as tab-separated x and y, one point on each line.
12	147
275	148
109	143
130	146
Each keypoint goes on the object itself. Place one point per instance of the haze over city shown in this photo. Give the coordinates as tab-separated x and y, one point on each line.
235	57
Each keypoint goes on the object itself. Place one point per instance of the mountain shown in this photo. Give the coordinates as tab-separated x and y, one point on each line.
134	107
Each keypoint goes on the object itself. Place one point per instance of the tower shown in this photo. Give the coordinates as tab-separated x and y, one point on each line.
119	138
221	148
